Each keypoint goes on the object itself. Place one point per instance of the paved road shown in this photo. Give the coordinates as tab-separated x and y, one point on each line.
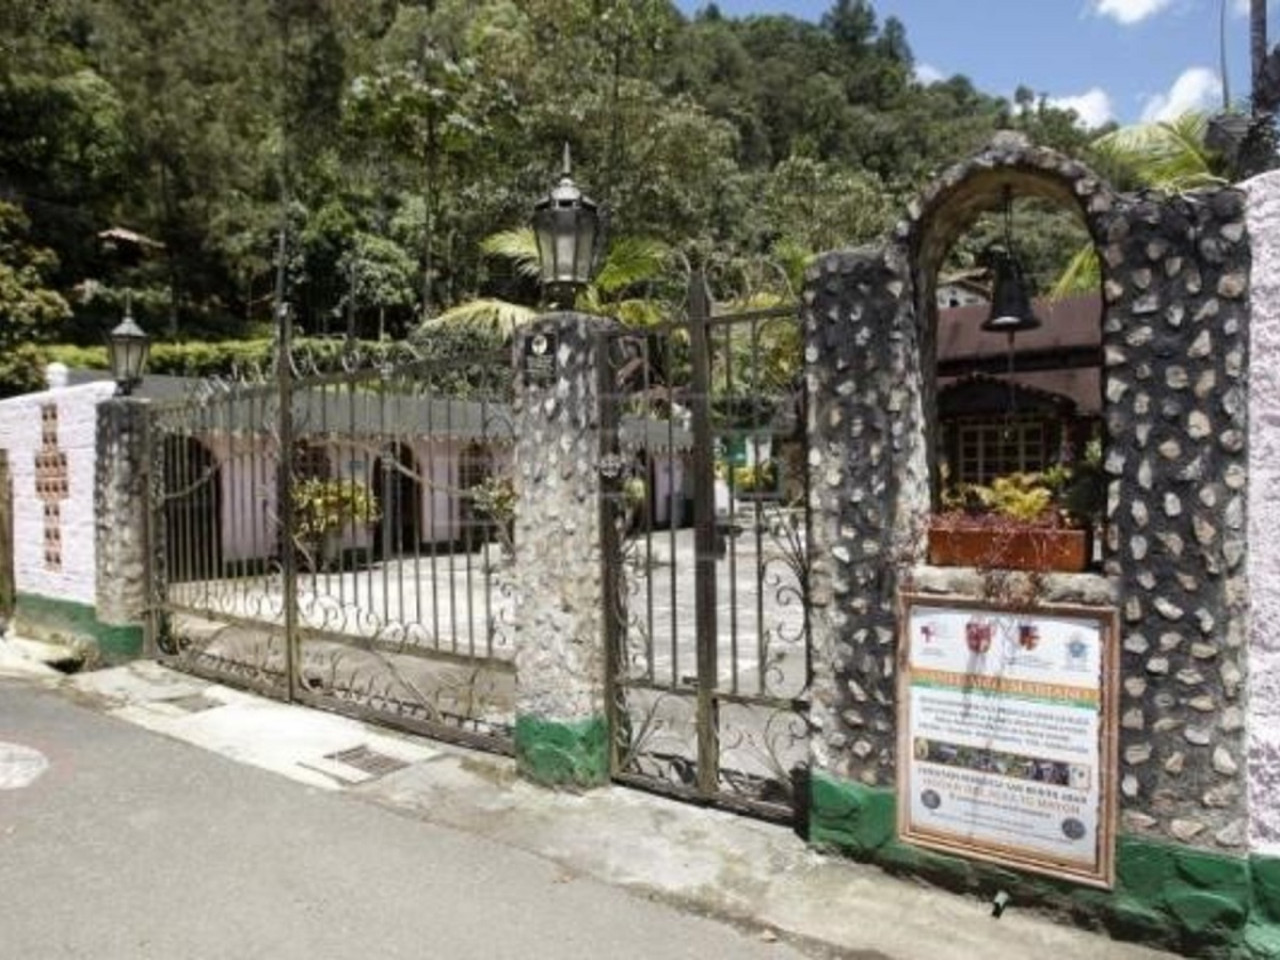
133	846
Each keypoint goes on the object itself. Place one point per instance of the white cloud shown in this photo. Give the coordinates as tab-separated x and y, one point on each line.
1197	88
1093	107
927	74
1129	11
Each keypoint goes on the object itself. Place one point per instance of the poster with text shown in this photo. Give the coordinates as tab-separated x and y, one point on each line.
1008	735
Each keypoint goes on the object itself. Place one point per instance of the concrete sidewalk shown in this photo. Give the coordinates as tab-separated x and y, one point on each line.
760	876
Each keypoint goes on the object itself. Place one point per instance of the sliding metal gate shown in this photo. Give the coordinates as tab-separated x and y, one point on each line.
706	529
337	533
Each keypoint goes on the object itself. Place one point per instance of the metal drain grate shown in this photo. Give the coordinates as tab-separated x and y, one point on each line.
368	761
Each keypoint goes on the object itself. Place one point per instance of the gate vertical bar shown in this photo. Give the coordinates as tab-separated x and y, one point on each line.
151	527
611	582
704	518
284	492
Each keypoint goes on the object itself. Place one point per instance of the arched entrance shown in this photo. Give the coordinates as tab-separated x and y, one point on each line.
1174	285
1042	360
398	486
192	510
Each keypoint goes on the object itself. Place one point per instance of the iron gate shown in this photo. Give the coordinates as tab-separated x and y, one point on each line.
335	532
706	527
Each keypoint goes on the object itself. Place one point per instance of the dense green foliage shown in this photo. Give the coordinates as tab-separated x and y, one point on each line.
30	312
401	133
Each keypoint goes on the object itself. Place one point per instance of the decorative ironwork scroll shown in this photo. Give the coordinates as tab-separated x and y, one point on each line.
707	558
389	595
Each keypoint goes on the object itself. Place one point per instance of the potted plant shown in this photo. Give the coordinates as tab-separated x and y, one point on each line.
493	503
758	481
323	507
1021	521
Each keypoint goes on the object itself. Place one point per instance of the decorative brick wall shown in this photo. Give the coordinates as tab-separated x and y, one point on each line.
52	443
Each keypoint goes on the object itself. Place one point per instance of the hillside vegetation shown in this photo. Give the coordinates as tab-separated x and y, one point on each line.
403	133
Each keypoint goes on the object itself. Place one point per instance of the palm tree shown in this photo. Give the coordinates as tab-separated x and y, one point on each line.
1168	155
632	263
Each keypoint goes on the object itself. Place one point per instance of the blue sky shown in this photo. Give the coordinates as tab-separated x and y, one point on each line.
1126	60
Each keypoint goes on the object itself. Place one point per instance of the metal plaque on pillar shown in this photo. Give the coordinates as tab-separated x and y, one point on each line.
539	361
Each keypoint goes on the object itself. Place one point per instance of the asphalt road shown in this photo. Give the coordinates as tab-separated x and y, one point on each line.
132	846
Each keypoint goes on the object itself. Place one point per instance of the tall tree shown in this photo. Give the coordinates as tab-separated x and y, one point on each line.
1258	52
30	312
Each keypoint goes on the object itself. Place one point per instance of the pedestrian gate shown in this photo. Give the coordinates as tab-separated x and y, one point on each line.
706	530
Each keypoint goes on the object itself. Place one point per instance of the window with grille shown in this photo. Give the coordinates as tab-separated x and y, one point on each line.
990	448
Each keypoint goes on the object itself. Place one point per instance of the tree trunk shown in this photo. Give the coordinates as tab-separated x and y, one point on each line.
1257	50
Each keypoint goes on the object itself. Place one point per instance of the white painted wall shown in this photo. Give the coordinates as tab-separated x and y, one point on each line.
1264	515
668	487
20	435
248	490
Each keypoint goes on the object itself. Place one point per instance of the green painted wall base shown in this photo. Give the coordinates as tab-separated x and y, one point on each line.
52	618
1193	901
572	753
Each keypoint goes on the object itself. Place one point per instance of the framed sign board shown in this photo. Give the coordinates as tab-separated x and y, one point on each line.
1007	734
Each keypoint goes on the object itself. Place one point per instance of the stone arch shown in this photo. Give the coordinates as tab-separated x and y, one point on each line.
1175	331
947	207
950	204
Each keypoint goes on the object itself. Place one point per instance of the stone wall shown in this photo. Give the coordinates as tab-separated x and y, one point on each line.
1175	344
561	731
869	493
1263	511
1174	340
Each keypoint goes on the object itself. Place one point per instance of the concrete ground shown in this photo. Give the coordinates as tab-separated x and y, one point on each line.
134	845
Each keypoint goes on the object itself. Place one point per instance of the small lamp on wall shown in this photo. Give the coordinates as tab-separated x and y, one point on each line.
127	349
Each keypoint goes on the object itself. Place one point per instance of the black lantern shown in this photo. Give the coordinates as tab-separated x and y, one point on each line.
1011	311
570	234
127	349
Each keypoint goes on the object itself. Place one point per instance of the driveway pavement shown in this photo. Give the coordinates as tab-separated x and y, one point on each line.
118	843
176	818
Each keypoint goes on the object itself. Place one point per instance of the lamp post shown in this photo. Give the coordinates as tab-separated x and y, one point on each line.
127	349
570	232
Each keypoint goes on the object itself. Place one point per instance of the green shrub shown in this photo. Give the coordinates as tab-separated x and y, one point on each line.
321	506
759	478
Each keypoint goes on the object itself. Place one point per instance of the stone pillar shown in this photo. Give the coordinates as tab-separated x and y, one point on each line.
561	727
1175	341
121	523
1264	521
869	498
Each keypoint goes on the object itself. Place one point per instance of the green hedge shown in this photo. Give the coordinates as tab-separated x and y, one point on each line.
196	359
209	358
